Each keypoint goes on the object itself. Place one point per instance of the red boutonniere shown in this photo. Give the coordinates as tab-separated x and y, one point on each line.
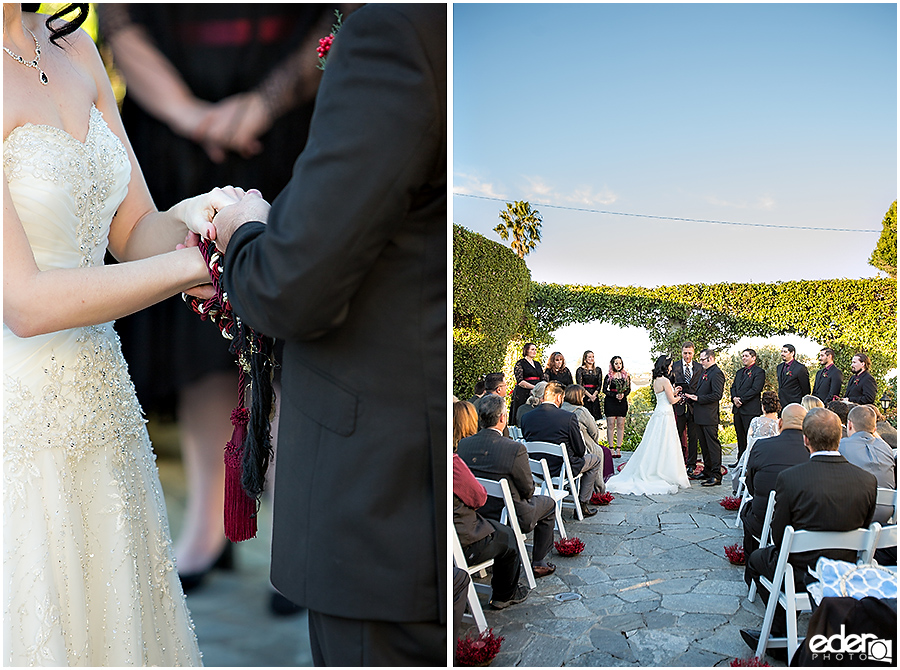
856	381
326	42
789	374
749	373
824	375
703	377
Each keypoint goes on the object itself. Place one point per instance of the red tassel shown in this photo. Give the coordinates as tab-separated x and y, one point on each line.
240	509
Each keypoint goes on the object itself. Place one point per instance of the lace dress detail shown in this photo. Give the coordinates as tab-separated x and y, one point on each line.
89	574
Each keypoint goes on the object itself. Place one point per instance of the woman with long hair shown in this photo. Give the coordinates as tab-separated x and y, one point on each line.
616	387
465	421
527	372
589	377
557	371
657	465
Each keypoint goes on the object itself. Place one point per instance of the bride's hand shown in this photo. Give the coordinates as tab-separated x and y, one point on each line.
198	212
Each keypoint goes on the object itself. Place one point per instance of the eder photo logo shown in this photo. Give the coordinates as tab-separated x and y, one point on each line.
862	647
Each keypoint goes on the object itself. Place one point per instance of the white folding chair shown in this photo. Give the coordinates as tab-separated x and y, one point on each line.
887	537
475	610
765	538
886	496
501	490
782	589
540	472
565	480
745	498
515	433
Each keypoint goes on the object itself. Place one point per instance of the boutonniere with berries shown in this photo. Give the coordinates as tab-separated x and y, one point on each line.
326	42
824	375
703	377
749	373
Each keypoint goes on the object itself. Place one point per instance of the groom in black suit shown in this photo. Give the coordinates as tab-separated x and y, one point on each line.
685	373
710	388
352	265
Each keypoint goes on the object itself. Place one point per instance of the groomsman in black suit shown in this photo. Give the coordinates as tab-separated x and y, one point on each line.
685	373
825	492
793	377
352	259
710	388
829	380
745	398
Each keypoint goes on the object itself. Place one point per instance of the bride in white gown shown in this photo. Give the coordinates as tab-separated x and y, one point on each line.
88	569
657	465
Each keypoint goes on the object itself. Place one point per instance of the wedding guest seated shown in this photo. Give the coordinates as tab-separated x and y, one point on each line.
840	408
494	384
534	399
883	429
768	458
548	423
825	492
478	391
492	456
810	402
481	538
870	453
765	425
590	432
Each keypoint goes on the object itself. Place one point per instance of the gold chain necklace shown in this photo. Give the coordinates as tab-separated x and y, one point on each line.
33	63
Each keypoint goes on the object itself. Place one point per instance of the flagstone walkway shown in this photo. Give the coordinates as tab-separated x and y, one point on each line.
656	590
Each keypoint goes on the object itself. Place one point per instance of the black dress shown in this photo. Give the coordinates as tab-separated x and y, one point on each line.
564	377
219	50
612	406
590	380
524	370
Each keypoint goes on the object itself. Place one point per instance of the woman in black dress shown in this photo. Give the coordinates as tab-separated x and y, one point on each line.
588	376
616	387
528	372
861	386
557	371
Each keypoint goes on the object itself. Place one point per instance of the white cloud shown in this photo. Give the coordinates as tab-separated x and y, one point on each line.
584	196
472	185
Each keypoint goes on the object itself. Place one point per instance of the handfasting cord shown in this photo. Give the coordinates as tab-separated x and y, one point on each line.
247	454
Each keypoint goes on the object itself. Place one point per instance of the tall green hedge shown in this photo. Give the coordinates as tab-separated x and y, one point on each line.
491	288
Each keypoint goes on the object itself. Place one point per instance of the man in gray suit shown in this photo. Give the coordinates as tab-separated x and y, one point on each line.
870	453
492	456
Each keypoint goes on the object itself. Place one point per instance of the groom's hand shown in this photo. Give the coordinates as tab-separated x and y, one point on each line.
251	207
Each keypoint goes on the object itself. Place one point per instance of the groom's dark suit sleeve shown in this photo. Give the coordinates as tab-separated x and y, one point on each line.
359	175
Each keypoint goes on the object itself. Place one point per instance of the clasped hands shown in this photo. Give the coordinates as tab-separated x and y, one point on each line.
216	216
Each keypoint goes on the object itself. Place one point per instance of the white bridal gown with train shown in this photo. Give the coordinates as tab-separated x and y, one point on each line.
657	465
88	572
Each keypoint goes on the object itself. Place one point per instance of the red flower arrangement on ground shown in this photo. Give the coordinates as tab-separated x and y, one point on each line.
569	547
479	650
735	554
730	503
601	498
752	662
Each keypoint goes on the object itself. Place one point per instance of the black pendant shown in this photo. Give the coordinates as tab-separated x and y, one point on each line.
44	79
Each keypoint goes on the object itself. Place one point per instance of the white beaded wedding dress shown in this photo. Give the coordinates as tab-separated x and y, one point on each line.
657	465
89	574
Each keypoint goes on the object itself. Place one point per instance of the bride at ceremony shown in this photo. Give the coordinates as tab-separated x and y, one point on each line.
89	574
657	465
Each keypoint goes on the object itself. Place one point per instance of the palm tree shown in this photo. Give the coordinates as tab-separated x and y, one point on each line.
525	225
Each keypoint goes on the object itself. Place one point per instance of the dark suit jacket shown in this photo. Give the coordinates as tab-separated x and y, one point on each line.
823	493
710	387
748	385
792	387
677	379
353	263
861	388
767	459
492	456
549	423
828	383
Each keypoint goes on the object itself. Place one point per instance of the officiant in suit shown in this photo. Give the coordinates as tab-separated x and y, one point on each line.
793	377
351	263
710	388
745	398
685	373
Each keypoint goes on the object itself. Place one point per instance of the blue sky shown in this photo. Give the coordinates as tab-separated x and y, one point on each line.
775	114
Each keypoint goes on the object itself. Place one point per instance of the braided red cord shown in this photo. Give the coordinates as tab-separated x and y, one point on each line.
218	308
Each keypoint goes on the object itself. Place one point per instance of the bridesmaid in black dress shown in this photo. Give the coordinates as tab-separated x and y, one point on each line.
861	386
588	376
528	372
616	387
557	371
